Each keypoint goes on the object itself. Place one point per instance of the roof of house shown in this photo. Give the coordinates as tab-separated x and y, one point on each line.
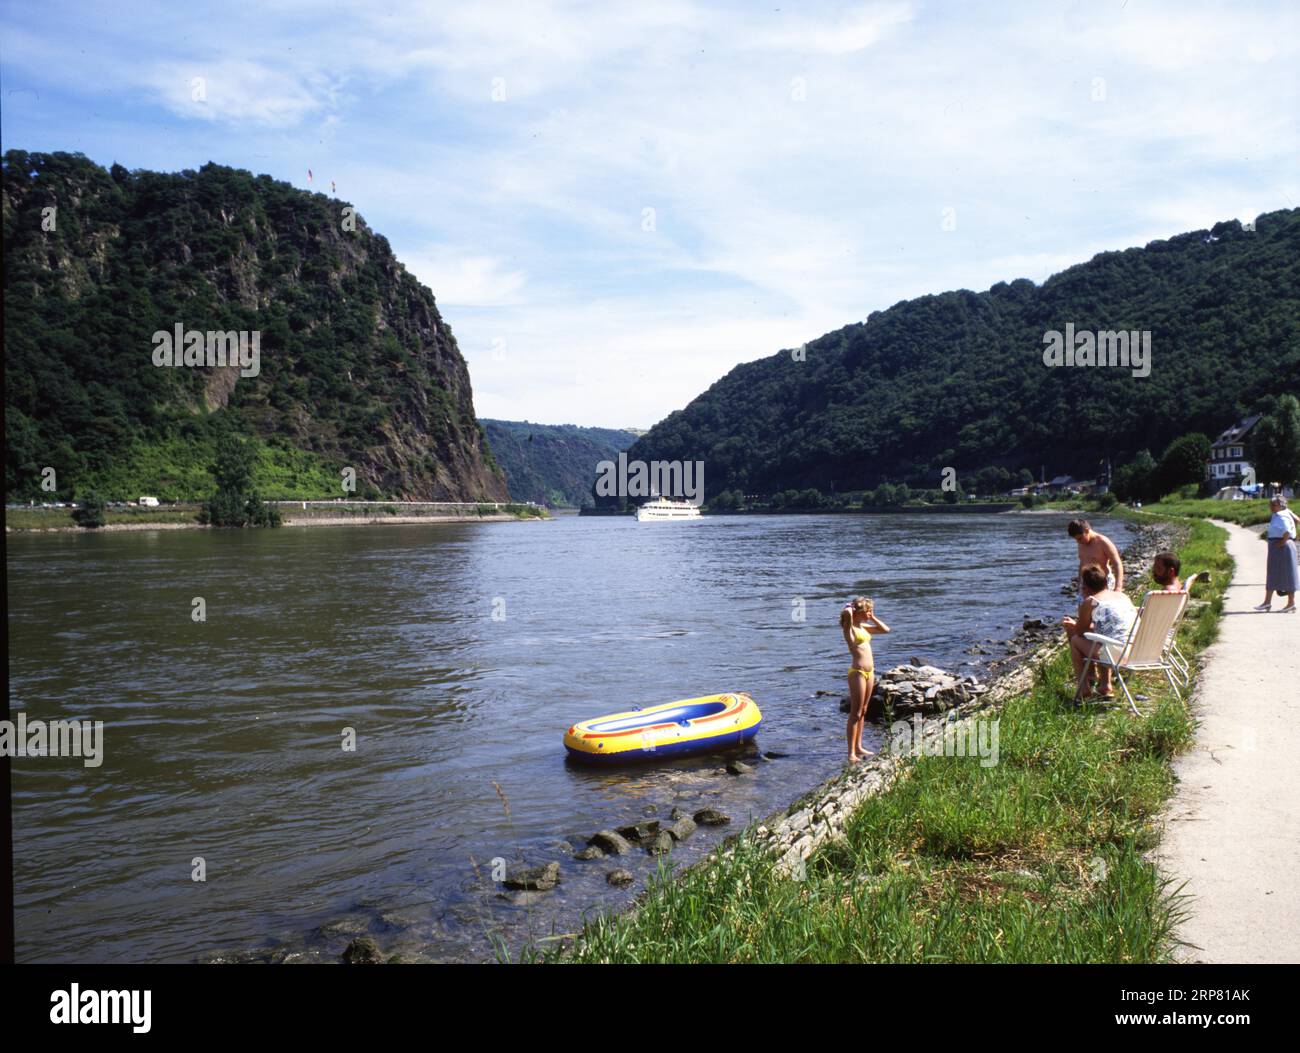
1238	431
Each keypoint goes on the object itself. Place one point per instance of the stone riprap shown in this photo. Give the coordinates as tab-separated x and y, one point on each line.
926	689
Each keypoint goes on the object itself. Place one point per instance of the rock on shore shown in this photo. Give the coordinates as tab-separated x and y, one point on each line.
926	689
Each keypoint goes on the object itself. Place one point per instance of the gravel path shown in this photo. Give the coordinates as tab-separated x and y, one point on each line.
1232	830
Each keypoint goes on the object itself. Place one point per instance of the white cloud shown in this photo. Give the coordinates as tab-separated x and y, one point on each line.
853	31
458	278
239	91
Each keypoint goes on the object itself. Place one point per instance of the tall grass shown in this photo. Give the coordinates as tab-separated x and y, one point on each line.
1243	513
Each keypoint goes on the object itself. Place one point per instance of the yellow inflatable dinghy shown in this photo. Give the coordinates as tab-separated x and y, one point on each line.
694	725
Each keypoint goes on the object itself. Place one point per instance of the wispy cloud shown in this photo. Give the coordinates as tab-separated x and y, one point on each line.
238	91
460	279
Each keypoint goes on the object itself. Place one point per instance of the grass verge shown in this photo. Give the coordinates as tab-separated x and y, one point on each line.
1243	513
1039	858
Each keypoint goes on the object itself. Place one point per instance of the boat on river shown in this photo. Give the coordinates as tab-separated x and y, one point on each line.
694	725
667	508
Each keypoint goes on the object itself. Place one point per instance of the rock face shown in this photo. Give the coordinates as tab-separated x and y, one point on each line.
357	367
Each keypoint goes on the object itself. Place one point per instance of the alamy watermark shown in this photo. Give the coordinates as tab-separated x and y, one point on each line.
75	1006
57	738
656	478
1130	349
972	738
193	347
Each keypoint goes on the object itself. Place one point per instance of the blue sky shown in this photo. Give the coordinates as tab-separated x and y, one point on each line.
805	164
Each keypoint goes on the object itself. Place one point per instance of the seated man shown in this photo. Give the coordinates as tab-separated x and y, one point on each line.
1165	569
1098	549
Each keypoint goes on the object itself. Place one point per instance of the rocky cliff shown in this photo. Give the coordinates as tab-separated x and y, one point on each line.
356	368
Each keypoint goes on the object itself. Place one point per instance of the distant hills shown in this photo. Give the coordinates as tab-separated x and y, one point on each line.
958	379
357	367
553	464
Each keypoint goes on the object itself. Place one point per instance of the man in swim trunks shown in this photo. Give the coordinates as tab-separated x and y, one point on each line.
1099	549
859	623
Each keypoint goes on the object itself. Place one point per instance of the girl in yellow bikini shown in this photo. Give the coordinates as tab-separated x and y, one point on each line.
859	624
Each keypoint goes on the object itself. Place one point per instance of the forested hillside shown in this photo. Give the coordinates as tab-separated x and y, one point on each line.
958	379
357	367
552	464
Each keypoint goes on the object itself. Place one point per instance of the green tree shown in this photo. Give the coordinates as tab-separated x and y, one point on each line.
89	512
236	503
1182	462
1135	480
991	480
1277	441
233	467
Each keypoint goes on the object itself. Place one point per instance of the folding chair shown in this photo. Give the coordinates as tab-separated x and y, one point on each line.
1145	648
1181	666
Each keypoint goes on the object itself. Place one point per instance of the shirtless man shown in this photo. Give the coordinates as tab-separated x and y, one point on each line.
1099	549
1165	569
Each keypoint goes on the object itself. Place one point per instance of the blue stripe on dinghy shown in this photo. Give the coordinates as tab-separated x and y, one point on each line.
662	716
676	749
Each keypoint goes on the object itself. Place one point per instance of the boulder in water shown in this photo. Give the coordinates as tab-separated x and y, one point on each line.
363	951
534	879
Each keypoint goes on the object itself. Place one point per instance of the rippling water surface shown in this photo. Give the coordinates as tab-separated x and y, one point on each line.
222	738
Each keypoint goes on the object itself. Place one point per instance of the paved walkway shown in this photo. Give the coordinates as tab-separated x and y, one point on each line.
1233	827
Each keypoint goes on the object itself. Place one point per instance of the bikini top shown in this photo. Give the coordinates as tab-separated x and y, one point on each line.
860	635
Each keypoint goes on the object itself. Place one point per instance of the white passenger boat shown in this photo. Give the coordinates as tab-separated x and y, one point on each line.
667	508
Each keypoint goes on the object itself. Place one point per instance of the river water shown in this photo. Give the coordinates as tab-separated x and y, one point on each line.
458	654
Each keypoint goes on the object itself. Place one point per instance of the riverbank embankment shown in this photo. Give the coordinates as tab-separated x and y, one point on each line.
1040	855
293	513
